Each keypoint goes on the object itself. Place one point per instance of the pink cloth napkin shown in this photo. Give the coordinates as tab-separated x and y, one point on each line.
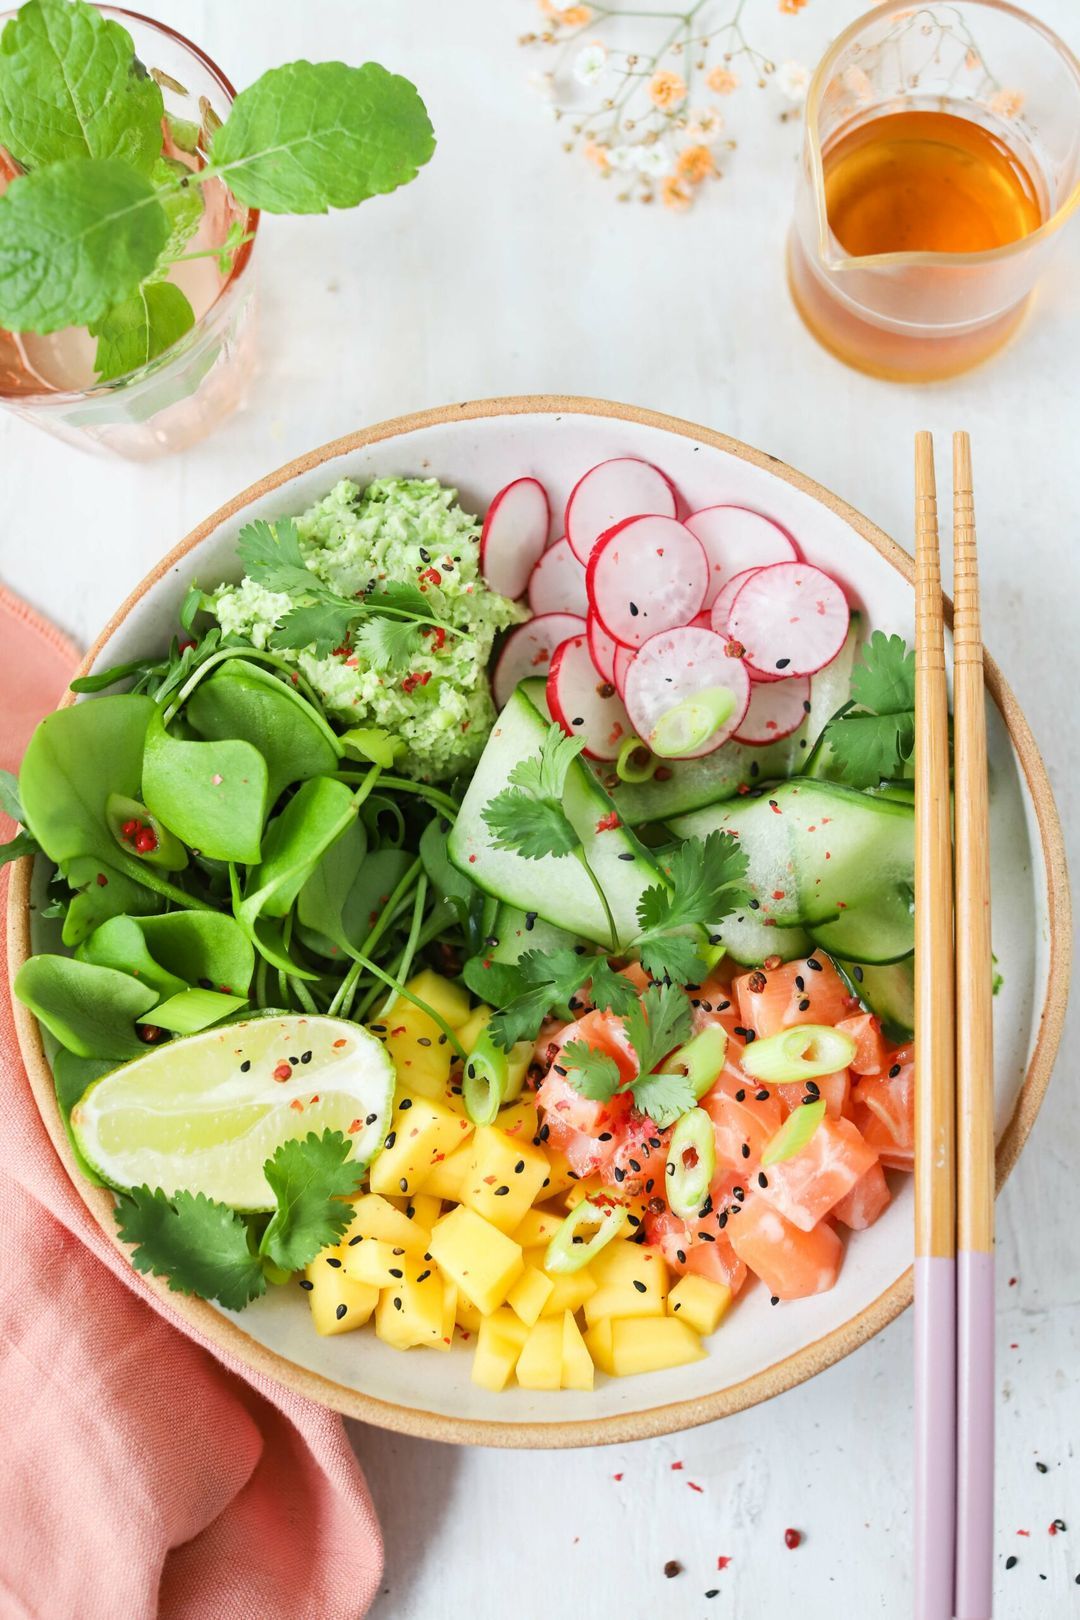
142	1473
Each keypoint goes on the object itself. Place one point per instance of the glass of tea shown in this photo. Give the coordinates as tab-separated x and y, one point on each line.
941	157
178	398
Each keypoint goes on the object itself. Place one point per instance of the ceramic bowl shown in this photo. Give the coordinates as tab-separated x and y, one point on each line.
758	1352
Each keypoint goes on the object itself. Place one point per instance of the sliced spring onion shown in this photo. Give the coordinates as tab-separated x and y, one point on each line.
701	1059
803	1053
635	762
373	743
692	722
486	1080
166	851
586	1230
794	1133
691	1163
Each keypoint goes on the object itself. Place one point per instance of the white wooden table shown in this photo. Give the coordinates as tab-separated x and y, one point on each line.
509	268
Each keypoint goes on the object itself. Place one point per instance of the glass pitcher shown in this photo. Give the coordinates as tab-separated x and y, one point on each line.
917	316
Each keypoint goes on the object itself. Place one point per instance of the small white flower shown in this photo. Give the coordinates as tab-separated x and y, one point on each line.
792	79
654	160
705	124
543	84
623	158
590	64
562	5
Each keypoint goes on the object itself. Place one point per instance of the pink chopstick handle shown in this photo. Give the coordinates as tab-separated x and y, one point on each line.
935	1436
975	1436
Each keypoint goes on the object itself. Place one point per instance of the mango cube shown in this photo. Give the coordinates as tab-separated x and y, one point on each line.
419	1049
577	1367
700	1301
537	1227
446	1177
498	1346
630	1281
466	1314
473	1026
569	1289
530	1294
504	1177
642	1344
449	1000
375	1217
559	1176
422	1132
372	1261
411	1311
482	1261
539	1365
338	1302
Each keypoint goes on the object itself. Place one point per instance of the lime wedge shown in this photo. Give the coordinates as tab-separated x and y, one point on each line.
206	1112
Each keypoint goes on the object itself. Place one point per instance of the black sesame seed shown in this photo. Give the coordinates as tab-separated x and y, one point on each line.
396	1271
390	1140
294	1060
751	1036
775	1300
813	964
627	855
635	1167
813	1088
406	1102
341	1311
894	1071
423	1040
755	905
397	1253
530	920
397	1303
605	1136
762	1179
721	1219
782	663
633	610
680	1255
857	974
746	1150
245	1066
442	1040
305	1057
762	1095
410	1211
355	1240
707	1206
800	982
640	1286
633	1220
722	1006
755	768
741	1032
707	1237
1012	1561
714	1591
423	1277
306	1286
544	1132
740	1095
739	1193
1059	1524
333	1261
620	1174
1043	1469
404	1184
371	1119
501	1192
804	1004
519	1167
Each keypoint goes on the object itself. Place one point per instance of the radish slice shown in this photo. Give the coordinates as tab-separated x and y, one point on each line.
646	575
777	708
557	583
685	694
624	657
720	614
585	704
602	647
527	651
791	618
514	536
735	539
610	492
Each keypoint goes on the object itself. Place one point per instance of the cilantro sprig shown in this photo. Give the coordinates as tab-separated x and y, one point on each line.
872	739
206	1248
706	883
543	984
528	817
654	1025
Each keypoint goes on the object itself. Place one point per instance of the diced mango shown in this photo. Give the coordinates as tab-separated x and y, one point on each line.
421	1131
426	1210
446	1178
700	1301
466	1314
530	1294
449	1000
373	1261
642	1344
577	1367
449	1316
559	1176
411	1311
374	1217
504	1177
519	1119
338	1303
569	1289
636	1207
630	1281
482	1261
472	1026
498	1346
539	1365
537	1227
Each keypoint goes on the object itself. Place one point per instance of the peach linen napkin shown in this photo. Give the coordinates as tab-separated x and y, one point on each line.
142	1473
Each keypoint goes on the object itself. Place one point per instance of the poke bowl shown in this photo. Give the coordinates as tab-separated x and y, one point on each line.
621	783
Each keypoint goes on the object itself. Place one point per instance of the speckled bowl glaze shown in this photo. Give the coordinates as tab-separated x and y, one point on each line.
758	1352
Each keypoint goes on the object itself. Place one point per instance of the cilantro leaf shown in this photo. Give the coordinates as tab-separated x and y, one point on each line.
592	1074
70	88
873	742
310	1180
664	1097
395	596
271	555
545	776
140	328
656	1024
75	238
706	885
322	626
885	679
316	135
539	984
533	828
674	957
387	644
201	1246
608	990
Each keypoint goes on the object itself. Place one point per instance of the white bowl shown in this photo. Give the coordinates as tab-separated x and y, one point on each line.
758	1351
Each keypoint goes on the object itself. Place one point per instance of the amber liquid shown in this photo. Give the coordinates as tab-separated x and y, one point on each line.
911	182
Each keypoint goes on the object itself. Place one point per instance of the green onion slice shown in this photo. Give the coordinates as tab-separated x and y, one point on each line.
804	1052
487	1078
691	1163
794	1133
635	763
374	743
586	1230
692	722
701	1059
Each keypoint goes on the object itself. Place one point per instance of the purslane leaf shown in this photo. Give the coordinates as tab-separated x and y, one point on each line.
310	136
140	328
310	1180
199	1245
70	88
75	238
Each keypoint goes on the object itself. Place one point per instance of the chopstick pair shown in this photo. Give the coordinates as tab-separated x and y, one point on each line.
954	1083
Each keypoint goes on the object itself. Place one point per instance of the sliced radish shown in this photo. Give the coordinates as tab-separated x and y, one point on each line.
610	492
735	539
720	614
514	536
624	657
557	583
602	647
791	618
527	651
776	709
584	703
685	694
646	575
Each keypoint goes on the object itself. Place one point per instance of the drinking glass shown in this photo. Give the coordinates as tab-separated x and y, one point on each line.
917	316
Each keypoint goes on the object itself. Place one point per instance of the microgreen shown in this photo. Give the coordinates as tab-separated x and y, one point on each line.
872	739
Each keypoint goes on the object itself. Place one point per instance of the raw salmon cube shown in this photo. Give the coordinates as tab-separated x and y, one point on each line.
835	1088
805	1187
871	1053
792	994
876	1133
892	1097
791	1263
866	1200
743	1121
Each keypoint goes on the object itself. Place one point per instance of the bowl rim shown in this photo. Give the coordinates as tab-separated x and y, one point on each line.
223	1334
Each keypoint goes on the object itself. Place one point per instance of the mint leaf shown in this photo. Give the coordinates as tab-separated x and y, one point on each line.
316	135
533	828
75	238
664	1097
139	328
70	88
592	1074
310	1181
183	205
201	1246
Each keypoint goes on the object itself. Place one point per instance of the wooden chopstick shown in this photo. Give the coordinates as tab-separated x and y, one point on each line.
974	1073
935	1102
